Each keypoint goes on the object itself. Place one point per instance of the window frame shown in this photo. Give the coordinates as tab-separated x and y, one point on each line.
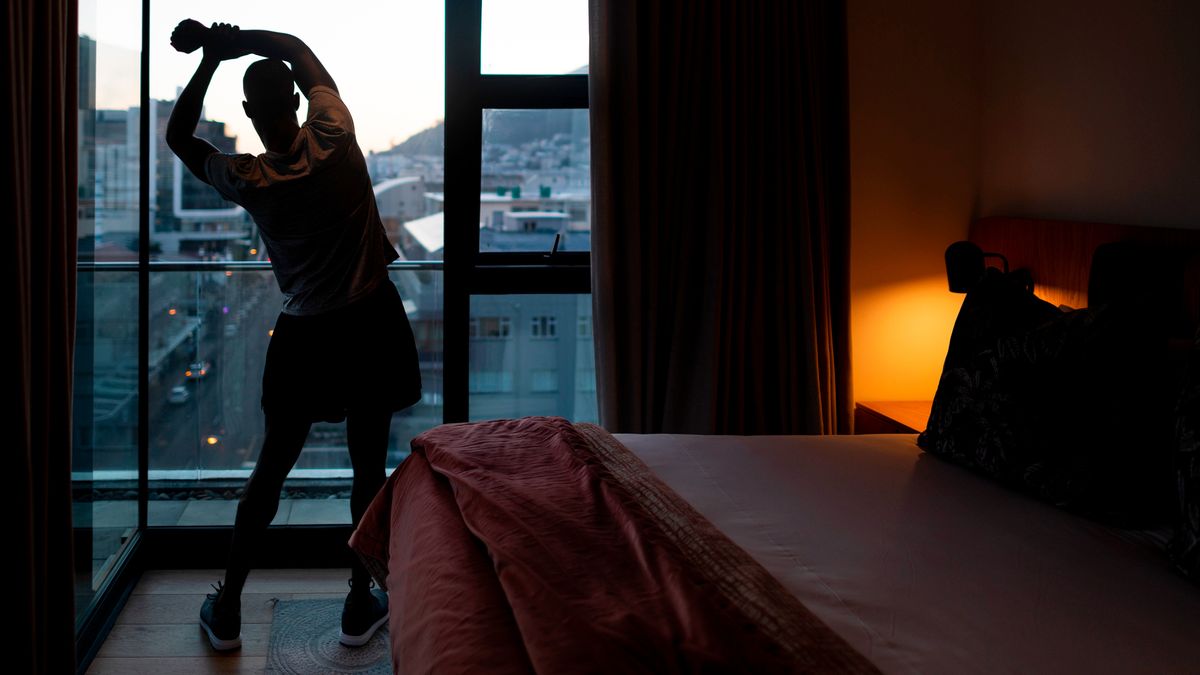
468	271
543	327
477	324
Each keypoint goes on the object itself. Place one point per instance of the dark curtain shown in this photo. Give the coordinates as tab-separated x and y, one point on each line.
39	201
720	244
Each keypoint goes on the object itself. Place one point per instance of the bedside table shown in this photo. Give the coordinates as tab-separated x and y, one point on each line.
891	417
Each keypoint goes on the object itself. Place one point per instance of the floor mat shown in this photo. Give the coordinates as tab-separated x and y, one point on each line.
304	641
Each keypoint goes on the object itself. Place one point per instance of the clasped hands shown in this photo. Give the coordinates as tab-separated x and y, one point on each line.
218	40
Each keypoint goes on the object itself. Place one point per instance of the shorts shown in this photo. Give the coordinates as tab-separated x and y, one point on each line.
358	357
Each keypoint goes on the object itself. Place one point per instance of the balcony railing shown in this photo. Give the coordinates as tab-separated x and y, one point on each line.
209	324
225	265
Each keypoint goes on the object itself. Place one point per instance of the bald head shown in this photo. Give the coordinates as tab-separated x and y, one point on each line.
269	87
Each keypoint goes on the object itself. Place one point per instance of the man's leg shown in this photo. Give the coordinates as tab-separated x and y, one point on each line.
260	500
367	438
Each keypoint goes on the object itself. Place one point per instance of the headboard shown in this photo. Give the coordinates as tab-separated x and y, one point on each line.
1059	253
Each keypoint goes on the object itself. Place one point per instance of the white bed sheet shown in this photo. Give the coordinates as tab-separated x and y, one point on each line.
925	567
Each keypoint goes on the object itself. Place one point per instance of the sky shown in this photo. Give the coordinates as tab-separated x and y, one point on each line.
387	59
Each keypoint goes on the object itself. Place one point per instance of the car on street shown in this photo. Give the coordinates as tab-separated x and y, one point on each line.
197	370
178	395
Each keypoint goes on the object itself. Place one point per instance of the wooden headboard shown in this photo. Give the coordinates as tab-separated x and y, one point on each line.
1059	253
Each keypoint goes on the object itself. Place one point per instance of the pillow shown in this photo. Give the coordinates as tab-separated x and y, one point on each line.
1102	391
1075	410
1001	304
1185	546
975	420
1164	276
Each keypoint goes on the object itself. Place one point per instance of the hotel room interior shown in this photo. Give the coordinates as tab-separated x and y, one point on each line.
755	200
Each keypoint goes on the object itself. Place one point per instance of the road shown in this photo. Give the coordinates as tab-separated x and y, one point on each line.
224	404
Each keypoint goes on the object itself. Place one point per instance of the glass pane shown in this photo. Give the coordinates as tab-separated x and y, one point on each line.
543	364
209	333
397	107
536	181
534	37
105	405
206	436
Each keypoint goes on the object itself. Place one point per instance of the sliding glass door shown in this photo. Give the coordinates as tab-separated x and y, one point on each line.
473	120
104	467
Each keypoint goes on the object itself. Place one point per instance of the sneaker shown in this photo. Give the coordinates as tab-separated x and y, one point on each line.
362	615
224	626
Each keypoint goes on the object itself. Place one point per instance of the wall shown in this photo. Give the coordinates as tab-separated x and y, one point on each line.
914	162
1092	111
1071	109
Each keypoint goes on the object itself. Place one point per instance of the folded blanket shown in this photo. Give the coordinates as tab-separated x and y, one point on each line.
535	544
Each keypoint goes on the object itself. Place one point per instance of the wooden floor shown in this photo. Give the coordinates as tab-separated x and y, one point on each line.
159	633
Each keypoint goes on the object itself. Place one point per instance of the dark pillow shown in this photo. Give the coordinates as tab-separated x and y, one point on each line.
975	420
1185	546
1164	277
1102	391
1073	410
1002	304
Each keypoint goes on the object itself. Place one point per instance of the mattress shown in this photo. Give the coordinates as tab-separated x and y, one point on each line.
539	545
924	567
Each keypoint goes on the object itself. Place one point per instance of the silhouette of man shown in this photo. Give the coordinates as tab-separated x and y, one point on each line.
342	346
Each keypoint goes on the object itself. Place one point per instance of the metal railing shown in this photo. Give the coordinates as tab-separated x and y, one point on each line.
226	265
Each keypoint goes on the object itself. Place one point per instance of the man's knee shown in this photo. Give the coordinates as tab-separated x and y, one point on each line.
260	491
257	509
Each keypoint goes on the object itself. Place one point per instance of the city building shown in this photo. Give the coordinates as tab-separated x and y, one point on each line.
188	217
399	200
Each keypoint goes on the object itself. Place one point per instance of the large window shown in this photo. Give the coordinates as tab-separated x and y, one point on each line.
212	299
472	117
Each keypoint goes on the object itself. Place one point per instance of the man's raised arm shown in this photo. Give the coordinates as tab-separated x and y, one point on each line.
181	128
305	66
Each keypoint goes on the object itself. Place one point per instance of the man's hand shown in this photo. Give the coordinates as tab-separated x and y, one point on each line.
189	36
222	43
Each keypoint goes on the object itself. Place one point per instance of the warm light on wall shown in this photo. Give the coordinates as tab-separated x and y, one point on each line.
1075	299
901	333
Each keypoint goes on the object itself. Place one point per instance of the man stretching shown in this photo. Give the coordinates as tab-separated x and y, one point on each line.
342	347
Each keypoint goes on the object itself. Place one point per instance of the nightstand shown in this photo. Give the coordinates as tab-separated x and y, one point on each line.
891	417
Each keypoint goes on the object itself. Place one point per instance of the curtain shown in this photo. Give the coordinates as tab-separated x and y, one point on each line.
720	243
40	82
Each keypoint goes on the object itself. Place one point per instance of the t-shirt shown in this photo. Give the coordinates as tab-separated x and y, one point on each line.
315	209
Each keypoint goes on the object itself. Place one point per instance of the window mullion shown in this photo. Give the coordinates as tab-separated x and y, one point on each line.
533	91
464	137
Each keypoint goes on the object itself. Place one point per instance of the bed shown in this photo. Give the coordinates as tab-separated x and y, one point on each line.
538	545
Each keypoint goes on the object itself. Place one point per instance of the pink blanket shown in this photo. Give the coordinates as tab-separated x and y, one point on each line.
538	545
